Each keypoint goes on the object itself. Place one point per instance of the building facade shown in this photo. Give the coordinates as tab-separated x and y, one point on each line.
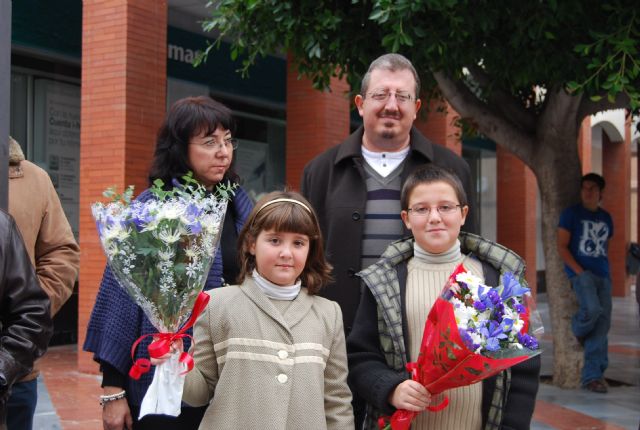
91	82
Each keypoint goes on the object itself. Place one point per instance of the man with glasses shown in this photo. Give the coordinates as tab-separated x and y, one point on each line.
355	186
584	232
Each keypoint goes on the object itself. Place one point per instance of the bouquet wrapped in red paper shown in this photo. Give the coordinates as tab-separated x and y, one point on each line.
473	332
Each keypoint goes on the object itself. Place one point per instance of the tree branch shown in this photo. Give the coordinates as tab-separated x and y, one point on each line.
492	124
504	102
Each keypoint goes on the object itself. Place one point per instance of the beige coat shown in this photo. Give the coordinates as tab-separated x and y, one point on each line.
45	230
258	368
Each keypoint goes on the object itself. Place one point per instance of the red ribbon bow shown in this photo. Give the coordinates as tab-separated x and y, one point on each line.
162	344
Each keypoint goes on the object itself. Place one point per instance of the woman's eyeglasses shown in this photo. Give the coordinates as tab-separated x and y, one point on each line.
212	145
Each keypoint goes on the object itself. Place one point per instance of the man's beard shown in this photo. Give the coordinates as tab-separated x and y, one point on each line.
388	134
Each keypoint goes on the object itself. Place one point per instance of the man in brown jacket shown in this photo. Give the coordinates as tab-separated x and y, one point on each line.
54	253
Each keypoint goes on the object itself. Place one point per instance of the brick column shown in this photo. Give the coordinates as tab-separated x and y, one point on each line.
517	203
616	170
123	103
315	121
438	124
584	145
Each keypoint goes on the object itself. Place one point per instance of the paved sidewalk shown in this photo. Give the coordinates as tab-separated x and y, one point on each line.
68	400
581	409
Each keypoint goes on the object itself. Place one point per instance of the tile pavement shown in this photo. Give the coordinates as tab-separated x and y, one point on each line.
68	399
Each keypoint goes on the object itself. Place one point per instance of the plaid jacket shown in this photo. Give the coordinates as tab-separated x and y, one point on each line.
382	280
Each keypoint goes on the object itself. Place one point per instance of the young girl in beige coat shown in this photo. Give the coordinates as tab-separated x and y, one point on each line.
269	353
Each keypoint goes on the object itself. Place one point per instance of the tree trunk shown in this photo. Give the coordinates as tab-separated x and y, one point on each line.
558	171
547	143
567	355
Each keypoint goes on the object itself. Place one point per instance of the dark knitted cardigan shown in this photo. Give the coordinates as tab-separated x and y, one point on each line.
116	321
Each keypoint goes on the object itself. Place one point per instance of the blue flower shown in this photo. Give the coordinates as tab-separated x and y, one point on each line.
511	287
141	216
467	340
528	341
519	308
493	332
506	324
479	306
494	297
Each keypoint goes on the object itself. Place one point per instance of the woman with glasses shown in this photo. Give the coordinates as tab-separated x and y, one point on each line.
434	207
196	136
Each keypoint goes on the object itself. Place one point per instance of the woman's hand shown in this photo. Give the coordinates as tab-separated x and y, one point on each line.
411	396
176	346
116	414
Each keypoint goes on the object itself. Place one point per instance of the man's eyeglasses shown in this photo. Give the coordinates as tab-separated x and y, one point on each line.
212	145
383	96
445	209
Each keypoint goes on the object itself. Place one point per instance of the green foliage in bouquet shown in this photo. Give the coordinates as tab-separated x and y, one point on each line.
161	245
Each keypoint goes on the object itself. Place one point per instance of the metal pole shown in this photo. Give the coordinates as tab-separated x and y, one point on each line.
5	88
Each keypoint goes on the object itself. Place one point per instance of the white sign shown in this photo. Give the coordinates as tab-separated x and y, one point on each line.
57	138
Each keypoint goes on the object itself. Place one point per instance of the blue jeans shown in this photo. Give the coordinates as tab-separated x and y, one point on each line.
21	405
592	322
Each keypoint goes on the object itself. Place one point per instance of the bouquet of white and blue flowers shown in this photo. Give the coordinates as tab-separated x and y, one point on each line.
473	332
161	249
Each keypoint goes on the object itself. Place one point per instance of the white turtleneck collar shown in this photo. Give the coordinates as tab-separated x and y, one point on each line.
276	292
452	255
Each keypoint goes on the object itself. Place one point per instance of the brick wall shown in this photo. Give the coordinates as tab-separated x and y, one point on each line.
315	121
584	145
616	170
516	219
437	121
123	103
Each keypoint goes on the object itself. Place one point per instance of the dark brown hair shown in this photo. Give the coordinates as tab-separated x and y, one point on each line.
291	218
428	174
595	178
187	117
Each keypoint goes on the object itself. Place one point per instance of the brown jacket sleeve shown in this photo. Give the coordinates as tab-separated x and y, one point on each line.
34	203
57	254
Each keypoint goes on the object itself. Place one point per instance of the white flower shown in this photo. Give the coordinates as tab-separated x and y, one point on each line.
115	232
193	269
166	254
171	210
517	325
168	235
469	279
464	314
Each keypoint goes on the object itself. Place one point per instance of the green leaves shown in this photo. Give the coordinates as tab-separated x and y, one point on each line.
225	191
590	48
612	59
125	197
